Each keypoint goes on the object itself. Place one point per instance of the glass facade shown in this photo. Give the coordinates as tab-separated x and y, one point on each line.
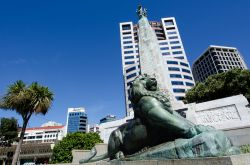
77	122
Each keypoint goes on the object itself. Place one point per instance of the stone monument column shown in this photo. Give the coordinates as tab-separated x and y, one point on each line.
151	60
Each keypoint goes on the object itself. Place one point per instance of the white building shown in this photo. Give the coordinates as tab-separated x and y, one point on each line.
76	120
46	134
217	59
178	70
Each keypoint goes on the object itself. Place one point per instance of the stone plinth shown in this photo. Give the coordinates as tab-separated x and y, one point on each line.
229	114
243	159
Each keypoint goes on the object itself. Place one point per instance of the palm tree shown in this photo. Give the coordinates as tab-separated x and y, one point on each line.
26	100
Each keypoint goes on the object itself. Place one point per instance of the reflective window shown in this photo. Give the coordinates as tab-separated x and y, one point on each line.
175	47
129	57
128	47
174	42
186	70
174	32
130	62
184	64
164	48
169	22
189	84
178	90
175	76
130	69
179	98
163	43
172	62
127	42
177	83
188	77
131	75
127	37
177	52
124	33
128	52
173	37
165	53
173	69
180	57
126	27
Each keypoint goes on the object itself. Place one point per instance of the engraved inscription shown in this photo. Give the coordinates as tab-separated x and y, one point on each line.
219	114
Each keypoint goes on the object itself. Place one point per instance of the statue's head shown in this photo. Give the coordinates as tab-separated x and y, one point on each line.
148	82
141	85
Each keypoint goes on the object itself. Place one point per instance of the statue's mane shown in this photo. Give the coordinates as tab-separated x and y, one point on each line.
138	90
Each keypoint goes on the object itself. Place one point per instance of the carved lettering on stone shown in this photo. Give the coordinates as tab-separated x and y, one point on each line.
217	115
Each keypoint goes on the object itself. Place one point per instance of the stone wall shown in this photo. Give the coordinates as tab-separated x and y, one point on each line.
229	114
243	159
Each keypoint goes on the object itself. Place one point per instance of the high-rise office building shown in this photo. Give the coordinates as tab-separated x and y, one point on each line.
177	67
217	59
76	120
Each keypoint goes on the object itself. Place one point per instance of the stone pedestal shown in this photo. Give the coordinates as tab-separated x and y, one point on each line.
243	159
229	114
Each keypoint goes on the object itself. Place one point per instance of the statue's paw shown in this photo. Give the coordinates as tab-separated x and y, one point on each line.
119	155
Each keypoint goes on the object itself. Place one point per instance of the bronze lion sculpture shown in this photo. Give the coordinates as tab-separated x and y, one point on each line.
155	123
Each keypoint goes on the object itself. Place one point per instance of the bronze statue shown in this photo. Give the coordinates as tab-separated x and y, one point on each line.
154	124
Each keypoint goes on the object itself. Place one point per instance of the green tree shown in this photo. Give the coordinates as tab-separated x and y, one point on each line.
8	131
232	82
26	100
62	150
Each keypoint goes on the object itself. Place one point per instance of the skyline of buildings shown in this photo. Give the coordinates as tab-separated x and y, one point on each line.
217	59
179	75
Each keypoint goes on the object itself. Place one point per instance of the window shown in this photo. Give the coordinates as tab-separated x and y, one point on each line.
128	47
130	69
169	22
129	57
180	57
175	47
173	37
177	83
175	75
179	97
189	84
163	43
128	52
186	70
127	37
174	42
170	28
188	77
127	42
126	27
130	62
131	75
173	69
124	33
174	32
172	62
178	90
165	53
164	48
177	52
184	64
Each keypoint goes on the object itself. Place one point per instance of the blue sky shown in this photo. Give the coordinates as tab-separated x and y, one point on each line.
73	47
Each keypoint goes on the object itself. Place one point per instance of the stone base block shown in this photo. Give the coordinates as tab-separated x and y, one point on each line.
243	159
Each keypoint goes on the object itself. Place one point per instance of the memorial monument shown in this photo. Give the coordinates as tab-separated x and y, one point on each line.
157	131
